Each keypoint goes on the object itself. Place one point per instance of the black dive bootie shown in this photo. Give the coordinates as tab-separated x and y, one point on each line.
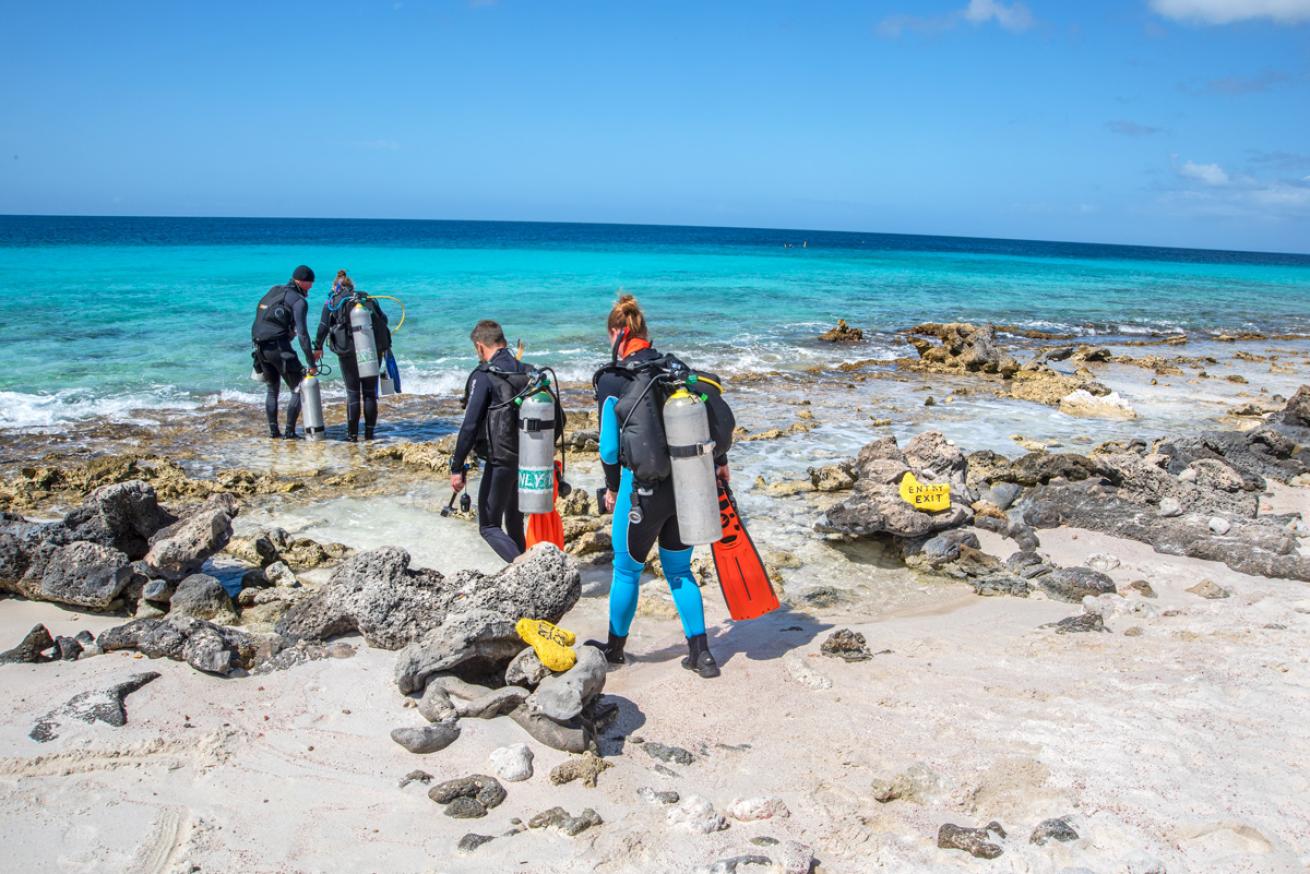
613	649
368	433
699	658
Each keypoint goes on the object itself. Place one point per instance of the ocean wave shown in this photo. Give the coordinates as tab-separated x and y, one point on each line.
50	411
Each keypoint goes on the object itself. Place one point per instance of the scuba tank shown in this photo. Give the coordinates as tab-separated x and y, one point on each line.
691	456
311	401
537	453
366	347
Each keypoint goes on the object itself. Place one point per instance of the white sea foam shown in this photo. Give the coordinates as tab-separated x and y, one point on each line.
50	411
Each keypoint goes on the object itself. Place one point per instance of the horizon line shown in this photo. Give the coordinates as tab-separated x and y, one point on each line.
1304	254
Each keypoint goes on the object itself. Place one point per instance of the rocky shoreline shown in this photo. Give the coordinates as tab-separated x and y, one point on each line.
160	558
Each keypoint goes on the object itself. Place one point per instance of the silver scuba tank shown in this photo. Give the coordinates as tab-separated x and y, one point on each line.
366	347
311	405
537	454
691	457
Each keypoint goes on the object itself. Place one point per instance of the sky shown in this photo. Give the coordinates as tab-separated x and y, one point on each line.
1165	122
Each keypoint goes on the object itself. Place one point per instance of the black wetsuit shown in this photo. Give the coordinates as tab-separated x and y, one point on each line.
272	332
359	391
498	495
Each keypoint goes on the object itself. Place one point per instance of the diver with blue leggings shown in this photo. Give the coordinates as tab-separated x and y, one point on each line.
656	520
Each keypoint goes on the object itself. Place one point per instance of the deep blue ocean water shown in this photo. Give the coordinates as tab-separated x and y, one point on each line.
111	314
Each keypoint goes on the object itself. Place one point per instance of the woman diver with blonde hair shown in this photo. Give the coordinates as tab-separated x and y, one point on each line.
656	520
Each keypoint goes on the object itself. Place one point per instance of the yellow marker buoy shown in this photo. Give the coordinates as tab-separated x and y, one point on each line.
927	497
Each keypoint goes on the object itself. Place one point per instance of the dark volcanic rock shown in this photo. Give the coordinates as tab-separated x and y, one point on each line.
1078	624
1053	830
182	548
69	648
1072	584
201	596
104	705
472	841
29	649
974	841
559	818
203	645
83	574
123	516
846	644
843	333
468	797
675	755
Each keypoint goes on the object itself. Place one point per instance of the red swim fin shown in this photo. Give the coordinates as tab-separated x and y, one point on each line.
742	576
546	527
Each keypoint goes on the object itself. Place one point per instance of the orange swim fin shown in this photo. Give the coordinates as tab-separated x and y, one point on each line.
546	527
742	577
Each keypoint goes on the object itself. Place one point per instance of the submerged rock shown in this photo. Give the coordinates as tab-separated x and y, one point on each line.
843	333
101	705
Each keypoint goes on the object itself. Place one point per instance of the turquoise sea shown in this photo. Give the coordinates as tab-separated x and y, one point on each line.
110	315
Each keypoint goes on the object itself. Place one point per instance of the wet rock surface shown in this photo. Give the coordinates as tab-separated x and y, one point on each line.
101	705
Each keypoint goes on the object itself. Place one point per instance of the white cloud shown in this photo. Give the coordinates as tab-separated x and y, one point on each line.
1013	17
1210	174
1229	11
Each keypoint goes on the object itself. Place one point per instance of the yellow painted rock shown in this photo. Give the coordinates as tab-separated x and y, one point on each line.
553	644
928	497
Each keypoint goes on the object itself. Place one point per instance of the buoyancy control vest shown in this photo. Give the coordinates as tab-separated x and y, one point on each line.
340	338
643	446
273	316
498	441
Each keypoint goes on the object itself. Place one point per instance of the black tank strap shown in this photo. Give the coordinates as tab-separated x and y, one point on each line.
694	450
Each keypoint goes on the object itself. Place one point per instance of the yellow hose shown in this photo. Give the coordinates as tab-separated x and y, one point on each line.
397	300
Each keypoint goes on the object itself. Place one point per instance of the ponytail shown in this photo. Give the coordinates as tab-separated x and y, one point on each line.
627	315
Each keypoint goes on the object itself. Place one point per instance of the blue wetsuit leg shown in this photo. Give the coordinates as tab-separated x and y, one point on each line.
626	582
686	595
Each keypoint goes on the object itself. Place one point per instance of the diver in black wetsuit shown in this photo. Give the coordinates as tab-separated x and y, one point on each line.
491	430
334	326
279	317
658	522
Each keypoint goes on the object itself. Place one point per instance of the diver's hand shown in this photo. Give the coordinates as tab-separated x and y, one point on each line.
318	355
313	371
457	481
722	473
611	498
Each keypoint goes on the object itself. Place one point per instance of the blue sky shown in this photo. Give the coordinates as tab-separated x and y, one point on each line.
1172	122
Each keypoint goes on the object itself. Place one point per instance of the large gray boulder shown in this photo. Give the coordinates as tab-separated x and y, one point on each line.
201	596
378	595
203	645
875	505
562	696
121	515
182	548
471	643
81	573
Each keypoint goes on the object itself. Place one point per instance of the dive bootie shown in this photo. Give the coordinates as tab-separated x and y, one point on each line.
368	433
613	649
699	658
